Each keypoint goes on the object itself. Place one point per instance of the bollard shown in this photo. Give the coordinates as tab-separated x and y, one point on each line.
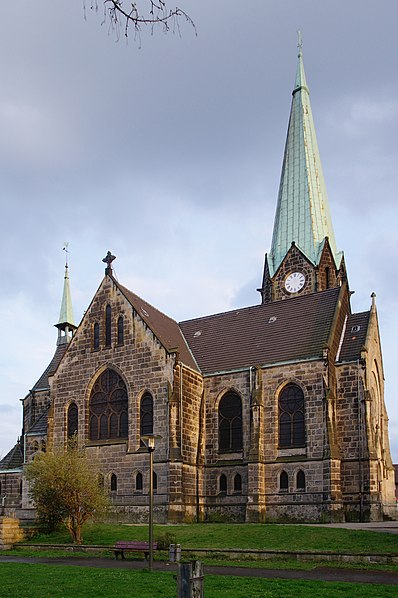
174	553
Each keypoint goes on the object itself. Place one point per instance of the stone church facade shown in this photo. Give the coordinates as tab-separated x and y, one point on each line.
273	412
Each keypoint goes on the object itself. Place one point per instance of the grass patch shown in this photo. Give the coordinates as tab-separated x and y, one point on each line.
263	537
44	581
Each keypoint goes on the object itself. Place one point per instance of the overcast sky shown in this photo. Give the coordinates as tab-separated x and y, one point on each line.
169	155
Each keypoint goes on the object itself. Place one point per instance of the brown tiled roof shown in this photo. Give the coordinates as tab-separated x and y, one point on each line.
354	338
13	459
164	328
42	383
289	330
40	425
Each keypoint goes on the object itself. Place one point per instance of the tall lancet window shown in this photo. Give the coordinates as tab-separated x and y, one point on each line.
73	416
291	417
120	331
108	326
146	414
230	434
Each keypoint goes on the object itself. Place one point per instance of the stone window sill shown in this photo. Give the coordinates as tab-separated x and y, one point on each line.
292	452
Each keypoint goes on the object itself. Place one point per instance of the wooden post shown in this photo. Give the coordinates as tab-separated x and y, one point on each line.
197	580
184	580
190	580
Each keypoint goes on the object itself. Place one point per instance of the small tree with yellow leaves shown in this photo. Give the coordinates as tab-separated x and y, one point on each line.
65	489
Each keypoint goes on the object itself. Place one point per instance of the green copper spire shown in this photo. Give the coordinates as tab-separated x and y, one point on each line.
66	323
302	213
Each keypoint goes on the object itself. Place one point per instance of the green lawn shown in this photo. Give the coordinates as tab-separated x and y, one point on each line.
44	581
217	535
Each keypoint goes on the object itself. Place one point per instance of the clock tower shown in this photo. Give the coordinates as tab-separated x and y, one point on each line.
303	257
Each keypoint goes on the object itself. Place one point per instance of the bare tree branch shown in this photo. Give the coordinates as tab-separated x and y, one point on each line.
122	18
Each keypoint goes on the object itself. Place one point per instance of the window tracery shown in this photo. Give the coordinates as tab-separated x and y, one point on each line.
291	417
230	434
108	407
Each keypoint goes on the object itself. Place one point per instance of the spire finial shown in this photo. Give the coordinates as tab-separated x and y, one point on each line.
65	248
108	259
299	43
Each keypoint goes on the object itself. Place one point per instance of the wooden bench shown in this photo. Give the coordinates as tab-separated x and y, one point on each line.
123	546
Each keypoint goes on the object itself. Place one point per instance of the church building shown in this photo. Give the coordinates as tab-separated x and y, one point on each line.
269	413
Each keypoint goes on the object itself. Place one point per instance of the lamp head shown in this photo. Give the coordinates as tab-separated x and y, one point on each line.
150	440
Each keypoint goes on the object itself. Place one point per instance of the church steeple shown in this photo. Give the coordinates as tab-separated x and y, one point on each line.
303	256
302	213
66	324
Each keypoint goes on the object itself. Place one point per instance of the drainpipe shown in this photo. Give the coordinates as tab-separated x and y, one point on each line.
250	380
24	448
361	452
181	420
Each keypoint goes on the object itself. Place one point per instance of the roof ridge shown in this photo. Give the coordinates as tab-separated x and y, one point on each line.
260	305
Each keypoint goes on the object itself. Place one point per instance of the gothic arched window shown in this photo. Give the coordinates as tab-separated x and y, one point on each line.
300	480
284	482
230	436
291	417
138	482
120	330
108	326
113	482
73	416
223	483
108	407
327	277
238	483
146	414
96	339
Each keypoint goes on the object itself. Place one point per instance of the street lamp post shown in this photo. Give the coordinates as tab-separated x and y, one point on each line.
149	440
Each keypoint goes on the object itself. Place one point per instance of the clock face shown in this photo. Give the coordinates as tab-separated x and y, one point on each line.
295	282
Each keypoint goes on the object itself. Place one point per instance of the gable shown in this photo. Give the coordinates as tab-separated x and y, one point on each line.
165	330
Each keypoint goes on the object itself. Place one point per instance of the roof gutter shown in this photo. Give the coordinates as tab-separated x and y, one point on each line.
264	366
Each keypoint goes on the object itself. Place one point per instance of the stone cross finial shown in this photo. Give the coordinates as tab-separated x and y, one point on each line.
108	259
299	42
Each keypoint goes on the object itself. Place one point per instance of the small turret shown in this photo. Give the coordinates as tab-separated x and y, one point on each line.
66	325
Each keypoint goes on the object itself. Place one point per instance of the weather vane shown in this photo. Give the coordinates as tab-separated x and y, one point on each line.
65	248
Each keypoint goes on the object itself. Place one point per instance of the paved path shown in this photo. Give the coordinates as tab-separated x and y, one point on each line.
389	527
317	574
